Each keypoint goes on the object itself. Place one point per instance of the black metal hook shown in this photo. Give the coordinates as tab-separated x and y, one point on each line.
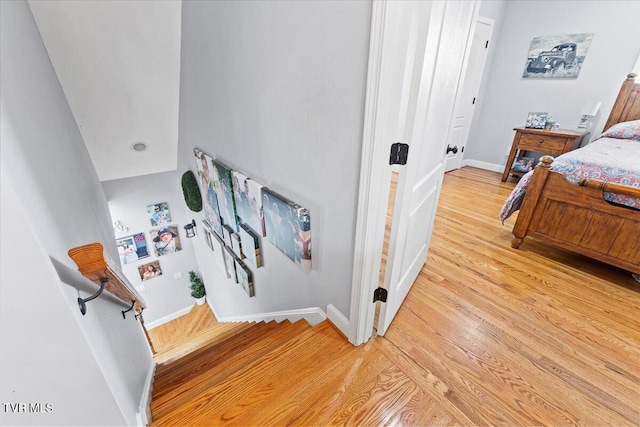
139	314
124	316
82	302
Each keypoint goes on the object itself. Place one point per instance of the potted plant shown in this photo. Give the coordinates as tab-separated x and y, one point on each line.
197	288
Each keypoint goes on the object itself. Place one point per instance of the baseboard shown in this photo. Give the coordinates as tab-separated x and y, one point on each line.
483	165
168	318
143	416
312	315
338	320
213	310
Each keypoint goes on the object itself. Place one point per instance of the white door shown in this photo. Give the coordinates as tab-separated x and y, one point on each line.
466	100
433	36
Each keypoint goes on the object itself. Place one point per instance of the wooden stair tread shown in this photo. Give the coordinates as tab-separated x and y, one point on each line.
259	362
199	340
213	354
196	374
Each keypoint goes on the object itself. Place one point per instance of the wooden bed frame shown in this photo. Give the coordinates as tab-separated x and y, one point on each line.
577	217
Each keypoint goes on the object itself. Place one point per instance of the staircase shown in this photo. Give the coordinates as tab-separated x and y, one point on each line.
185	386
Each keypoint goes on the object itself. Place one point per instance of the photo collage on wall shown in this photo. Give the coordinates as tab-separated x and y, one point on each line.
240	212
164	237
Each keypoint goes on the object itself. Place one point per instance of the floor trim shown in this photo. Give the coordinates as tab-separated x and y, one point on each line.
168	318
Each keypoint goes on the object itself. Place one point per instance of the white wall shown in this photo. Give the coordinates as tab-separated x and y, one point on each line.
44	357
276	90
45	161
128	200
509	97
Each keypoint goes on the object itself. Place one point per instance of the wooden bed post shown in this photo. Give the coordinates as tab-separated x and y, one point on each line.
530	202
622	104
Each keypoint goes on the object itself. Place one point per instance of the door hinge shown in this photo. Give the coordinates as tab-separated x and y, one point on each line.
487	44
380	294
474	101
399	153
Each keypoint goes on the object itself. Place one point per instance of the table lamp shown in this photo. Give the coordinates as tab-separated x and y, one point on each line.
590	109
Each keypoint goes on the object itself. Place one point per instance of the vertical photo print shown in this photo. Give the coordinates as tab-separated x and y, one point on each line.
245	278
222	183
208	237
248	196
132	248
250	246
149	270
236	245
207	189
219	254
166	240
230	264
159	214
288	227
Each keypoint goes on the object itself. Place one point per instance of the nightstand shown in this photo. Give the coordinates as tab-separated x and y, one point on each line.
552	142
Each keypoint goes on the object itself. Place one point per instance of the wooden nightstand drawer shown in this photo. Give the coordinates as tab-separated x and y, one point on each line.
542	143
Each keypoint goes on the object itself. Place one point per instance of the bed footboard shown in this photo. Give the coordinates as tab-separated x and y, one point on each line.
579	219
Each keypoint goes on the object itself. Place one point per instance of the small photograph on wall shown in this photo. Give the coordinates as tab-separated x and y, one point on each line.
288	227
230	264
250	246
165	240
132	248
149	270
536	120
209	196
222	184
558	57
159	214
245	278
248	196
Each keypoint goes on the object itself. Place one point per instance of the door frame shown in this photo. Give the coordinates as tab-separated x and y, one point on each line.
373	194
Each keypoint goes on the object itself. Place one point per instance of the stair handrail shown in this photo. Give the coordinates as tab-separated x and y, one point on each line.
96	265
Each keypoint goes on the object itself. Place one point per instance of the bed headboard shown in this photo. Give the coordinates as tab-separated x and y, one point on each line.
627	106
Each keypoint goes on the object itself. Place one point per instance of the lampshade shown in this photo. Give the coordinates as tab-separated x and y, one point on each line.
591	108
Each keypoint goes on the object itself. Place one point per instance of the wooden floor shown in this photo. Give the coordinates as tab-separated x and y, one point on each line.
188	333
488	335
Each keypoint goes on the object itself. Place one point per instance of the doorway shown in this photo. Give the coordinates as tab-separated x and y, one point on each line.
467	99
417	55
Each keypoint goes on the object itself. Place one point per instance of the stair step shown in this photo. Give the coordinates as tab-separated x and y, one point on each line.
220	333
241	391
213	367
175	372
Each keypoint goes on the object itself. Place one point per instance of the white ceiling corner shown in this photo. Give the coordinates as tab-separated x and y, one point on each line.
118	63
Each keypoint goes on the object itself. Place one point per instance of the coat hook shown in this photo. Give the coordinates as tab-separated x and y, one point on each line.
139	314
124	316
82	302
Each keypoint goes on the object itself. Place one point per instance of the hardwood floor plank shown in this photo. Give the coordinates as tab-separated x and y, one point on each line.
488	335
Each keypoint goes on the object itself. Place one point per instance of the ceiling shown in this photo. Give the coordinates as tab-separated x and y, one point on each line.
119	66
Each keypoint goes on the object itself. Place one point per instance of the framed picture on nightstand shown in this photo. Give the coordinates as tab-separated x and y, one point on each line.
536	120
